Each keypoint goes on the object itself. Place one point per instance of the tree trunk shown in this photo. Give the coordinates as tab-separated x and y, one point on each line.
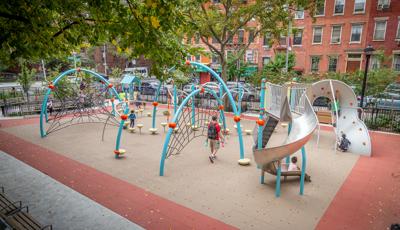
27	101
224	67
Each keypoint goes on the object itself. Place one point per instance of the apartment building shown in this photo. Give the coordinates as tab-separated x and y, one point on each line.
332	41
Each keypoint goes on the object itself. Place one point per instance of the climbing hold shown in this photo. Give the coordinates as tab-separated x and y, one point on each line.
51	86
202	90
314	95
78	69
187	62
322	88
112	99
124	117
172	125
221	107
236	119
360	129
364	143
260	122
354	122
344	117
155	104
110	85
351	103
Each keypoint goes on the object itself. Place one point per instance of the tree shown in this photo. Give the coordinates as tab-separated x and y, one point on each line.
220	25
116	73
26	78
236	69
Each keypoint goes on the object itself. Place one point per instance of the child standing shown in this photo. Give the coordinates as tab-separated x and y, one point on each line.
132	118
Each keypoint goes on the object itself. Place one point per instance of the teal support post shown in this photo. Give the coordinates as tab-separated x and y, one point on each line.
278	181
221	112
240	97
260	128
113	108
261	115
303	169
153	124
193	107
175	100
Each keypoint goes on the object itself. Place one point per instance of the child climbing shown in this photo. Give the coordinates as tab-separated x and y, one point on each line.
132	118
344	143
213	136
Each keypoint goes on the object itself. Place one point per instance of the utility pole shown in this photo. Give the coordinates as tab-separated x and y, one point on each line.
74	54
288	48
44	70
105	59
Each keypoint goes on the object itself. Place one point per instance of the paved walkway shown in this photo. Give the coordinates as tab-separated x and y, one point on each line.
51	202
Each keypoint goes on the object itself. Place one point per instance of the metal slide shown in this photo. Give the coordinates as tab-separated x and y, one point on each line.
348	122
303	126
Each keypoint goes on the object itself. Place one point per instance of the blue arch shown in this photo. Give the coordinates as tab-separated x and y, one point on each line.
235	110
43	111
176	115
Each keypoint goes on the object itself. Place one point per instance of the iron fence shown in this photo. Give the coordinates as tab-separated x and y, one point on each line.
380	119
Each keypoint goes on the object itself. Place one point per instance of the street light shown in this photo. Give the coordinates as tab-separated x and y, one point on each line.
368	52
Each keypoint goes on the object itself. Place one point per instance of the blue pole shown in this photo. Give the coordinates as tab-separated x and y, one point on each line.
153	124
278	182
175	100
260	128
113	108
193	108
303	169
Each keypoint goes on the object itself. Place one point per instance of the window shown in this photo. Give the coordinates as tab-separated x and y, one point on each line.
214	59
197	38
216	1
266	40
214	40
398	30
396	62
359	6
240	36
320	8
383	4
251	56
198	58
298	37
317	35
375	63
339	7
189	58
299	14
356	31
230	38
266	60
251	36
315	63
282	40
332	65
336	34
380	30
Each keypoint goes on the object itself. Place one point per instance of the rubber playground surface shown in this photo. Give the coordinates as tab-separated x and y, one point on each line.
346	192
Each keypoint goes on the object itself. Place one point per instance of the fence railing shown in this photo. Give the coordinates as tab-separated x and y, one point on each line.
387	120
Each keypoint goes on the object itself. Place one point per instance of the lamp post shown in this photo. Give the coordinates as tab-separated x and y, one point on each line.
368	52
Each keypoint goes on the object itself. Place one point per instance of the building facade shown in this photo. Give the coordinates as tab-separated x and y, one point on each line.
333	40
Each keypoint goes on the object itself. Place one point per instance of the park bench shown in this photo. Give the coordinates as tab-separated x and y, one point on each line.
17	216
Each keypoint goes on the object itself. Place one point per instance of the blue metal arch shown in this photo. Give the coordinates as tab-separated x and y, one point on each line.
176	115
43	110
235	110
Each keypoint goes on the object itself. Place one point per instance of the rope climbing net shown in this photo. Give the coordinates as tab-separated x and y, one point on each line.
79	100
186	130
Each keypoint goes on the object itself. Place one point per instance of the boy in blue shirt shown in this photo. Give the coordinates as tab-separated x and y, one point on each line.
132	117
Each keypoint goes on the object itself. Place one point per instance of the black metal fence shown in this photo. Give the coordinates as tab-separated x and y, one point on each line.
380	119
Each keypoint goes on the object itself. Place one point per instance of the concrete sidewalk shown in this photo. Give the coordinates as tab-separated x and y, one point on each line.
51	202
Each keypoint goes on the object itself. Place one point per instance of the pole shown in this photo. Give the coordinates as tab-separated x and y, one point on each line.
364	80
76	72
44	70
288	46
105	60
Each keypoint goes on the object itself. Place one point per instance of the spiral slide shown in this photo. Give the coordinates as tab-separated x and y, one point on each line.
348	122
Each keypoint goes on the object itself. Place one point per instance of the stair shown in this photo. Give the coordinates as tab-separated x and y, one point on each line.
268	129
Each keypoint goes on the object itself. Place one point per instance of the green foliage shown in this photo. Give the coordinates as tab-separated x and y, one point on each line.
26	77
116	73
234	71
278	65
180	78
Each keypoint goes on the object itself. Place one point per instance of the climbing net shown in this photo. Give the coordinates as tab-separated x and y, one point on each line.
78	100
186	130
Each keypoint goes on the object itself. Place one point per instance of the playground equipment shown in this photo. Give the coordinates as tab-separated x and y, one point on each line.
128	83
78	100
303	122
347	122
186	114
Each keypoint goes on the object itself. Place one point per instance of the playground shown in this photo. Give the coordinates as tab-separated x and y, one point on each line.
160	176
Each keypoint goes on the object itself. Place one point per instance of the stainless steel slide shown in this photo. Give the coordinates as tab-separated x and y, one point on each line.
303	126
348	122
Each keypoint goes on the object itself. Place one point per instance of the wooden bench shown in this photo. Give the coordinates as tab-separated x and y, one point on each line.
324	117
14	215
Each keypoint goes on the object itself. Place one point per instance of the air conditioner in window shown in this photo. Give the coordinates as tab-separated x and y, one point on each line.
383	6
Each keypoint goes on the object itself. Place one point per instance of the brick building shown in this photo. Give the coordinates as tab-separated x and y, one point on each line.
333	41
